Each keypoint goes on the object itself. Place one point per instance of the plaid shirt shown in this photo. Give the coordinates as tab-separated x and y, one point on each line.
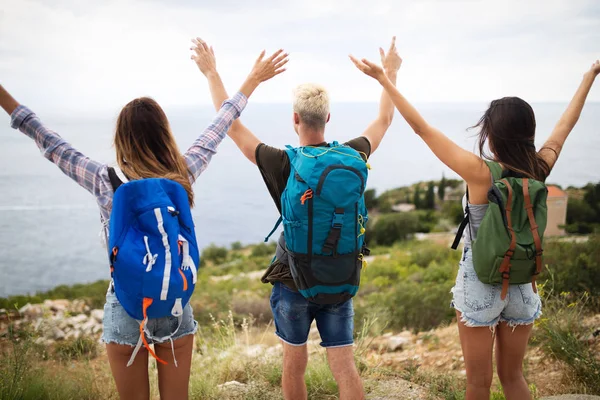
93	175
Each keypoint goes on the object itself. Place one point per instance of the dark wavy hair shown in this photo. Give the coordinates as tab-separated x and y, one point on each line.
509	127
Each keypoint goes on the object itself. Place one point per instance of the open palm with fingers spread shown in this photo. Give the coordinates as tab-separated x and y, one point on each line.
369	68
203	56
263	69
266	68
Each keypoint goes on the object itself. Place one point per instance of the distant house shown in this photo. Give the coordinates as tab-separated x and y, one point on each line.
403	207
557	211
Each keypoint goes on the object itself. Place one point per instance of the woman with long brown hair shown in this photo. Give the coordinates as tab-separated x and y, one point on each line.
145	148
486	312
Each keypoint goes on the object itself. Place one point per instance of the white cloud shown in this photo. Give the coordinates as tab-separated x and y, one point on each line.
86	55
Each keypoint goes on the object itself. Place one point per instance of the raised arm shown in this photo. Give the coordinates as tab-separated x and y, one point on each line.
567	121
263	69
461	161
83	170
376	130
7	102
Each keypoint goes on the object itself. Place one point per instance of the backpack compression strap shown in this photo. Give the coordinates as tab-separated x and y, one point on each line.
534	230
115	181
505	266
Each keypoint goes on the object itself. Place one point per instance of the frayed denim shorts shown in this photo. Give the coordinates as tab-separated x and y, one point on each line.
120	328
293	315
480	304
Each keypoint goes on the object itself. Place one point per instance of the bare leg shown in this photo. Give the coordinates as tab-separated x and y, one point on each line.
132	382
510	352
343	367
477	346
174	382
295	359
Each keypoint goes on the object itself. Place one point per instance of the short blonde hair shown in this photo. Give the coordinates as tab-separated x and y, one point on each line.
311	102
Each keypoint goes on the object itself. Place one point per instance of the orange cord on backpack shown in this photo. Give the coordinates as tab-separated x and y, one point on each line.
307	195
147	303
185	285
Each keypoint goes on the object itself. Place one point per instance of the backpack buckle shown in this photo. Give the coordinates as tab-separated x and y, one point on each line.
506	275
338	219
509	253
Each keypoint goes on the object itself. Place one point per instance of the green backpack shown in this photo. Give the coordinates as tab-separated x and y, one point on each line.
508	246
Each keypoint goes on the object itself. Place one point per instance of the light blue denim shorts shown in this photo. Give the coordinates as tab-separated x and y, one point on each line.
480	304
120	328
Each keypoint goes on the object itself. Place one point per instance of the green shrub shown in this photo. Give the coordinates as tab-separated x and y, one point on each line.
76	349
370	199
94	294
264	249
215	254
579	211
582	228
25	376
453	210
236	246
390	228
560	331
574	267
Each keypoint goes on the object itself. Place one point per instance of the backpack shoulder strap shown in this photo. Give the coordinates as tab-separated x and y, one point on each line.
495	169
534	230
115	181
505	266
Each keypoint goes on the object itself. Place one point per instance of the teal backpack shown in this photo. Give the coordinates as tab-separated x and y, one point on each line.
324	217
508	247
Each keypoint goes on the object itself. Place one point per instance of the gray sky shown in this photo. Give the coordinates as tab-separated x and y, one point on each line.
97	55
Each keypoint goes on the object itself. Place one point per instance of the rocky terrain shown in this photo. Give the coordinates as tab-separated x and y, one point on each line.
437	350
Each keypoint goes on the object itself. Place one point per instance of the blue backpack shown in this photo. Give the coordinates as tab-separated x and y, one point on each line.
152	250
324	217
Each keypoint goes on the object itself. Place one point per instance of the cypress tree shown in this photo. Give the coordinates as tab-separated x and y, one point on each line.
430	197
442	188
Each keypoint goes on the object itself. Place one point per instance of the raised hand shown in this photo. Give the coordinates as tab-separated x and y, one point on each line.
263	70
203	56
391	61
369	68
266	68
595	69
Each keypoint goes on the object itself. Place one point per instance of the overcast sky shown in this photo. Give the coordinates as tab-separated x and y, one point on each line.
97	55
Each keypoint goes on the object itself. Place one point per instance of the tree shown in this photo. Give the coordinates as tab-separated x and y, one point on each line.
442	188
417	197
370	199
430	197
390	228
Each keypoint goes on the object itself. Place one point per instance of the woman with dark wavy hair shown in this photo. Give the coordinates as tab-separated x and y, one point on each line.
483	314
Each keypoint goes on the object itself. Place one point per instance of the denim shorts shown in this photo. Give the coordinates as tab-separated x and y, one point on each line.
120	328
480	304
293	315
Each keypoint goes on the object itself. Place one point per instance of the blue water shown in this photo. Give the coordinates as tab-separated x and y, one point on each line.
49	226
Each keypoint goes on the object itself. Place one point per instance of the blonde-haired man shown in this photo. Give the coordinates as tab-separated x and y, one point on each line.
292	313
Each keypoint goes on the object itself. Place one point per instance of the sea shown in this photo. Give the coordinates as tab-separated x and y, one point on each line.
50	227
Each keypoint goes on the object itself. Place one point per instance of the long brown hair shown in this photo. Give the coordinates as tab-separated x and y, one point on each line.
146	147
509	127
